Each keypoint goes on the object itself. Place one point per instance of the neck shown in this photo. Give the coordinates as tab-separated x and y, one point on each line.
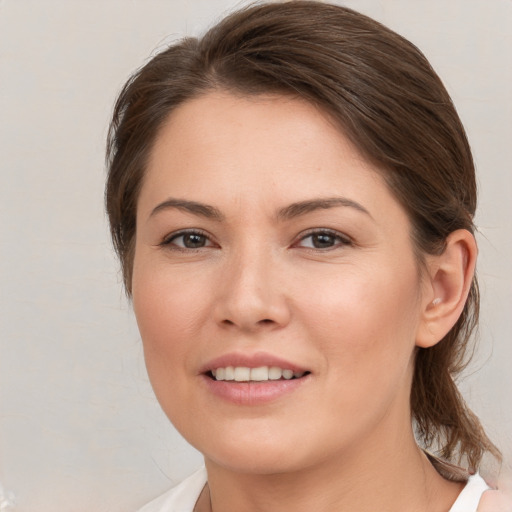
359	480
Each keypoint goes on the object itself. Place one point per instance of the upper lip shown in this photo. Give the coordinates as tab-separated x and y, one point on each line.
255	360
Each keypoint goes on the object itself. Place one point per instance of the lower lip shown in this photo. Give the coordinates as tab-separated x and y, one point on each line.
253	393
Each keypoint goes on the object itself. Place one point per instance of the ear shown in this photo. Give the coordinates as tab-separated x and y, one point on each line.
447	283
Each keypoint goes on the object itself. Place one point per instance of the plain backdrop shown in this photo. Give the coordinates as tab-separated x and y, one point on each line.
80	429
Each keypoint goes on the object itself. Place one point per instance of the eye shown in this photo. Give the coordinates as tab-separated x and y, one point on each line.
323	239
188	240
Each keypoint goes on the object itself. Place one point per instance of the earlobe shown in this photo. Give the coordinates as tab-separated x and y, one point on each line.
449	278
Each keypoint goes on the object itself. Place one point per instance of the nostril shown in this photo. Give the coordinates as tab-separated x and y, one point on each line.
265	321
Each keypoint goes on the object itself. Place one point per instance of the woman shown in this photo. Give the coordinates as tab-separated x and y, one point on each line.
292	200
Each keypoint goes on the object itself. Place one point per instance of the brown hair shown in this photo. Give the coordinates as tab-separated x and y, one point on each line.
386	98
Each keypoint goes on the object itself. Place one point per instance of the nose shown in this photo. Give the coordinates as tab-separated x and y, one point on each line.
252	296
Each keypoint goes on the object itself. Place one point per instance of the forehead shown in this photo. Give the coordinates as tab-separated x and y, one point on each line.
265	150
249	132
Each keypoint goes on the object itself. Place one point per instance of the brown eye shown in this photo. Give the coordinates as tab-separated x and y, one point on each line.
188	240
323	240
194	241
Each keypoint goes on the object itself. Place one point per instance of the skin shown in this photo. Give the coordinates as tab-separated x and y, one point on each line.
499	499
351	311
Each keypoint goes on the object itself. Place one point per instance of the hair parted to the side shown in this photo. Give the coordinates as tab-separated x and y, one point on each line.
385	97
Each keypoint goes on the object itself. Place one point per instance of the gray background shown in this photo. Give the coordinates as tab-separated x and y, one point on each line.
79	427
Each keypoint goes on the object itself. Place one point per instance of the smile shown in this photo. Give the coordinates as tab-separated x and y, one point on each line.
260	374
251	379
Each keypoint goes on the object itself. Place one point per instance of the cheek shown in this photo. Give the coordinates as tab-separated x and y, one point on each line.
168	319
367	297
365	318
168	308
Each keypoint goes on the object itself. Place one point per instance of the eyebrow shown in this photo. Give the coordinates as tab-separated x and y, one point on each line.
308	206
203	210
288	212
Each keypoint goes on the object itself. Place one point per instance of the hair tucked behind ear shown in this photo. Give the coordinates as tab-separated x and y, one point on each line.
384	96
443	420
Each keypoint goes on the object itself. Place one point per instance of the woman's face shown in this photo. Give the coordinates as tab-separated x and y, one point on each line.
264	240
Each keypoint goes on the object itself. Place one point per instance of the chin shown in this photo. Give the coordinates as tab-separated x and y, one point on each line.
256	461
261	453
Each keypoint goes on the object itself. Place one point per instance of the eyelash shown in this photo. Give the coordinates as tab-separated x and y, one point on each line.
339	240
170	241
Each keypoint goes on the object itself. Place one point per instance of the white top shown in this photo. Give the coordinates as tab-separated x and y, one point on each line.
183	497
469	498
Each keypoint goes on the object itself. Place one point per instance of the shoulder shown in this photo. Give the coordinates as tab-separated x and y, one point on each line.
181	498
469	498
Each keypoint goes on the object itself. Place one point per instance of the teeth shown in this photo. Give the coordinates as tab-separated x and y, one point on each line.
287	374
242	374
274	373
259	373
262	373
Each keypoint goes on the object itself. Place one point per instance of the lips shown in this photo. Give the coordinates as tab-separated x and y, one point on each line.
251	361
252	379
259	374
